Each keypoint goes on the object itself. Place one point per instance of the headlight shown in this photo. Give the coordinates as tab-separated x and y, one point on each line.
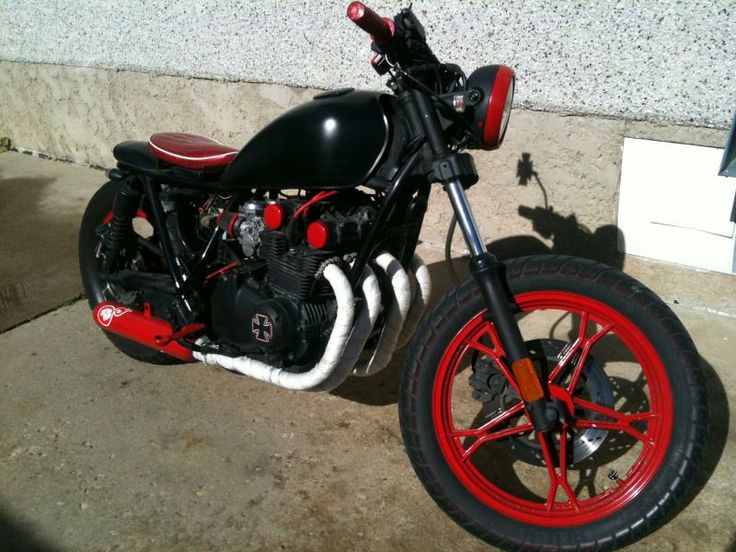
491	114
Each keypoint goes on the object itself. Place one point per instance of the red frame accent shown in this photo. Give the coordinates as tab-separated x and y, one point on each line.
140	213
228	267
318	234
318	197
186	331
496	102
655	440
274	216
231	223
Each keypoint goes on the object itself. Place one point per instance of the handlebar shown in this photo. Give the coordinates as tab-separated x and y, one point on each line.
380	28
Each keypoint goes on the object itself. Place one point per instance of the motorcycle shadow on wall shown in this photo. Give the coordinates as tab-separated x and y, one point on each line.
564	235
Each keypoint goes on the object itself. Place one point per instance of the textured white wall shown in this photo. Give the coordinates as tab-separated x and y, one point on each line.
665	59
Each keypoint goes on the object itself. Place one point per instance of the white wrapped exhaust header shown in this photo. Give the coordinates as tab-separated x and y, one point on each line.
364	322
394	320
330	358
420	300
350	332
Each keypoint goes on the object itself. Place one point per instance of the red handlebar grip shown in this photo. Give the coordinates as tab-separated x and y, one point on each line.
372	23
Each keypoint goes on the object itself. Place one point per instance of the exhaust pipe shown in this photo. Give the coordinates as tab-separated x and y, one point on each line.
419	302
325	367
345	343
365	319
404	314
395	316
141	327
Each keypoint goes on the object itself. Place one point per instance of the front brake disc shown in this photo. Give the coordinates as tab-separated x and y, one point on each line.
491	388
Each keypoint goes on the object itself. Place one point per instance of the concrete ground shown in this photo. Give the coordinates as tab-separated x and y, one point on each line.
40	211
99	452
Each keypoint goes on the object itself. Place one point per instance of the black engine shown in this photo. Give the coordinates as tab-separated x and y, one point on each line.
273	303
245	317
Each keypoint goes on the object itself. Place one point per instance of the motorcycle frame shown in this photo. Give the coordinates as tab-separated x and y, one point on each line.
400	190
428	159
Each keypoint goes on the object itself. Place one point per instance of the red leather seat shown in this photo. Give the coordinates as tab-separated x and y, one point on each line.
190	150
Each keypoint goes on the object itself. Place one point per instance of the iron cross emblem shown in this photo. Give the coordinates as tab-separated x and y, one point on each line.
262	328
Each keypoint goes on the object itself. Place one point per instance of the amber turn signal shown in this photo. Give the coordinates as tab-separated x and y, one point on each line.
528	380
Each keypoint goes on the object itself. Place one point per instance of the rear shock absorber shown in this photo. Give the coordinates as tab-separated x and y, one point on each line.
121	225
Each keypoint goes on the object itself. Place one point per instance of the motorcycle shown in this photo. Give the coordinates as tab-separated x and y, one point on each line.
547	402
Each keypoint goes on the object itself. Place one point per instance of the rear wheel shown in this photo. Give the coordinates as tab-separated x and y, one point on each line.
626	375
92	232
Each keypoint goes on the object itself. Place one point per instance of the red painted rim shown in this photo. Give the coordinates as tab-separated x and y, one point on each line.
553	513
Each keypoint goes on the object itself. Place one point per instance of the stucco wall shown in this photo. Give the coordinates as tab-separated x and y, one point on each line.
80	76
80	113
668	59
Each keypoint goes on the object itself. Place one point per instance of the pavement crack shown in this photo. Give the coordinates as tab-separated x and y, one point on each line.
66	303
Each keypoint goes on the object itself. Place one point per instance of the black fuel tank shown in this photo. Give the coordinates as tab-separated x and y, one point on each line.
334	141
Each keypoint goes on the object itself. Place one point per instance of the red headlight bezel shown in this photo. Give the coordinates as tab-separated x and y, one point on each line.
493	132
496	84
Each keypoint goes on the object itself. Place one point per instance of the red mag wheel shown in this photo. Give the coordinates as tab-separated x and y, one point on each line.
625	376
561	506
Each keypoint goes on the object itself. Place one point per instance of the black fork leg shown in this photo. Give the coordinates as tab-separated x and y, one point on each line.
489	275
484	266
488	272
452	170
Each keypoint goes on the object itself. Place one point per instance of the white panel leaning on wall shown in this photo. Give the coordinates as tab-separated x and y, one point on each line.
674	207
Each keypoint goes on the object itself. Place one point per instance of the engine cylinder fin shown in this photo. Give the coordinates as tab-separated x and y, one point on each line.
291	272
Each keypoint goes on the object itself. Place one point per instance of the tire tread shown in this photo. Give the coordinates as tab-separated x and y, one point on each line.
552	266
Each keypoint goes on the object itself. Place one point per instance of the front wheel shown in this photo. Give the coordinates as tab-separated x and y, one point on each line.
624	372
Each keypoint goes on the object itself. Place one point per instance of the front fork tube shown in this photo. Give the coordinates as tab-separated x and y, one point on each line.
489	274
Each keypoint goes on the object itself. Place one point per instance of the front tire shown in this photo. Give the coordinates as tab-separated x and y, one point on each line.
623	366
